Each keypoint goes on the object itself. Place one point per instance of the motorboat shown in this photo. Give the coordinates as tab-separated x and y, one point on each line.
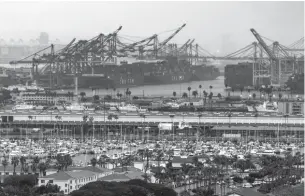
183	125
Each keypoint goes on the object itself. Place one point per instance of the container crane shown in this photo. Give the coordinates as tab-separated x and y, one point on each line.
263	44
162	44
171	36
131	47
274	61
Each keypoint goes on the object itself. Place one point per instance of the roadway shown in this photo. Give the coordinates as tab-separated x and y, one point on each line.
238	118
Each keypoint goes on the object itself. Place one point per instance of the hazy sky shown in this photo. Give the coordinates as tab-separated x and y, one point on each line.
214	25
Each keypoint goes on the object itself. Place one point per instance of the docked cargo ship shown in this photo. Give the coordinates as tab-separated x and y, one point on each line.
296	83
241	76
6	79
143	72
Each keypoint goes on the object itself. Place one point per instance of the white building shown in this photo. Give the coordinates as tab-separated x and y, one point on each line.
69	181
36	98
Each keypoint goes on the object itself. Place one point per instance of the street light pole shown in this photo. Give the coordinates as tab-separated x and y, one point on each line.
173	128
199	116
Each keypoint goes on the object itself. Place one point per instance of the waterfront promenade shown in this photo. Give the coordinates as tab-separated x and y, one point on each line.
158	117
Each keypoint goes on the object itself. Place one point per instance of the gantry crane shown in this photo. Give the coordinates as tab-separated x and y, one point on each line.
162	44
281	63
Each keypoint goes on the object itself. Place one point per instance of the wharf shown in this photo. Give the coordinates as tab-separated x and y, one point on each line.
153	118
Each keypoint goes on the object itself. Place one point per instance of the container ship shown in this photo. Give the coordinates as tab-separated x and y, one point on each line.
144	72
296	83
7	79
240	75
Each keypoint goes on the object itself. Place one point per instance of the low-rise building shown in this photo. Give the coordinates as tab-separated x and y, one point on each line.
291	108
116	177
45	98
179	160
69	181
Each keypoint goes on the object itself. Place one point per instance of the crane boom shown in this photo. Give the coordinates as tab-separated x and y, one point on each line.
131	46
184	44
263	44
170	37
191	42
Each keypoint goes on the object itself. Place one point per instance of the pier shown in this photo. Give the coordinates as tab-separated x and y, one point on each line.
154	118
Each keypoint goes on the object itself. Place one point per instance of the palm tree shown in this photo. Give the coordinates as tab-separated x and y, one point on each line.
210	88
82	94
42	168
210	98
172	116
205	94
22	162
96	98
229	116
260	92
26	168
241	90
93	162
189	89
120	96
219	95
195	93
4	163
200	86
280	96
67	161
147	155
91	120
114	91
85	118
184	95
199	117
101	162
30	118
174	94
15	162
116	117
144	116
110	116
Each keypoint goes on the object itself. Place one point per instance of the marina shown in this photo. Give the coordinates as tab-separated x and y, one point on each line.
152	99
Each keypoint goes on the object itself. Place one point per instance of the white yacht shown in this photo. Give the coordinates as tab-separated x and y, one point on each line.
130	108
63	151
23	106
39	152
18	87
177	152
75	107
15	153
183	125
265	107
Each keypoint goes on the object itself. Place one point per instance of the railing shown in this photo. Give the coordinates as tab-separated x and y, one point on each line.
295	121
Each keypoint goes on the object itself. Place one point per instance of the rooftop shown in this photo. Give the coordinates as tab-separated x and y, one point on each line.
66	175
247	192
266	128
178	159
94	169
115	177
